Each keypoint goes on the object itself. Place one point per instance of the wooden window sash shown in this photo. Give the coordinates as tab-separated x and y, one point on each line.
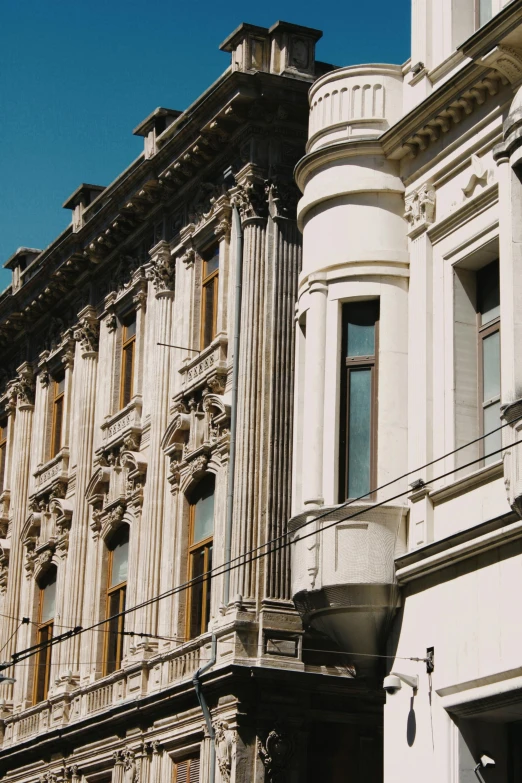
194	548
3	454
57	424
482	332
120	591
187	771
42	672
128	351
358	363
209	282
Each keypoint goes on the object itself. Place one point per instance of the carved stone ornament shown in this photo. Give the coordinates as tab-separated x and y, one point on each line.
87	334
420	207
225	740
127	759
250	197
506	60
22	390
48	777
282	199
275	754
162	269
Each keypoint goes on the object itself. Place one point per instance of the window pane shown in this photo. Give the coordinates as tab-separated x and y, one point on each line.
49	601
120	562
130	329
43	664
485	11
128	372
488	293
208	313
58	421
208	584
359	432
59	387
212	263
494	441
491	360
197	590
116	604
360	326
204	516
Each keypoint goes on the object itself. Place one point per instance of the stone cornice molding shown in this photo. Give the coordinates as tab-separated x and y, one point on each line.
162	268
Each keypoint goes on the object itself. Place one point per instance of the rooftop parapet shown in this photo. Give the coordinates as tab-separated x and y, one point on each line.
80	200
360	101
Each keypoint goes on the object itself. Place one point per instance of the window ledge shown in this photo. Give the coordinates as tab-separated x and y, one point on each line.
467	483
122	423
54	471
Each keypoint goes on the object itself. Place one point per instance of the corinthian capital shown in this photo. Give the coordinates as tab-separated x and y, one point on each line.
249	196
88	331
162	269
23	388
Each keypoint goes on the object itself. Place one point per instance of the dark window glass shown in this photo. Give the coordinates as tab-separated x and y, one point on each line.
116	595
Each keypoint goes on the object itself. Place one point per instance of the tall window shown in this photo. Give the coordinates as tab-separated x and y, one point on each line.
488	317
209	297
116	591
3	452
357	452
483	12
44	633
127	361
200	557
57	427
186	771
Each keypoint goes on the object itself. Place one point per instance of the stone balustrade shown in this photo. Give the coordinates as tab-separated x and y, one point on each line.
358	101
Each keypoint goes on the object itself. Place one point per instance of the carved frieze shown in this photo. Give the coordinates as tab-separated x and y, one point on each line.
88	331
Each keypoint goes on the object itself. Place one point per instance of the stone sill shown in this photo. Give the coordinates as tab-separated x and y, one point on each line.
468	483
127	420
55	469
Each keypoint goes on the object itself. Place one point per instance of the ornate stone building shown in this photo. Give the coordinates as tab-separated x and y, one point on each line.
408	387
133	377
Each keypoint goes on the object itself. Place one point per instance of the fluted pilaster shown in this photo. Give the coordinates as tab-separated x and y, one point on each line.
23	397
87	336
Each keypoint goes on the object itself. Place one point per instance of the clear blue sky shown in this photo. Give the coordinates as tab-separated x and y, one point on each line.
77	77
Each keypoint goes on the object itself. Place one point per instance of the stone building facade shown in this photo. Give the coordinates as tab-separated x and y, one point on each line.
408	387
128	370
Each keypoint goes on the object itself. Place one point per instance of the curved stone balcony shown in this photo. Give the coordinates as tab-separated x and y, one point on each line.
360	101
343	578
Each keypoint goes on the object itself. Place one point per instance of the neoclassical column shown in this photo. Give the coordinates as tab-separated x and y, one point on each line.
162	276
313	433
82	428
23	398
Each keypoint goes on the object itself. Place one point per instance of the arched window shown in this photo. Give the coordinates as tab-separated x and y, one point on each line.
200	557
116	590
44	633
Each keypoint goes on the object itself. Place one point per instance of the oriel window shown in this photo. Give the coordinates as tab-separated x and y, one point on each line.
57	425
44	634
127	361
200	557
3	452
186	771
115	604
358	419
209	299
488	317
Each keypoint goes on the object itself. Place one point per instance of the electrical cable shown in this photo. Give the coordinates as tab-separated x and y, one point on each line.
242	559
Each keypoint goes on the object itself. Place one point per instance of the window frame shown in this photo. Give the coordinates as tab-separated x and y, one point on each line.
209	280
3	451
476	13
351	364
190	778
492	327
57	418
120	591
205	545
128	349
43	662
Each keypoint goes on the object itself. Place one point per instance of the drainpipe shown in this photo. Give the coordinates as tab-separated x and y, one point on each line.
204	706
236	224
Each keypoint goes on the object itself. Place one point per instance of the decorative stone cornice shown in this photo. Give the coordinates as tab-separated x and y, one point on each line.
162	268
88	331
506	60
